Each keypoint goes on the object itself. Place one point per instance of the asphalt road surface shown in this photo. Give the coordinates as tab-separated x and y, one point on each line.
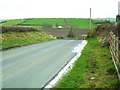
34	65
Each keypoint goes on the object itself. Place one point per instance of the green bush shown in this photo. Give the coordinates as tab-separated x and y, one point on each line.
18	29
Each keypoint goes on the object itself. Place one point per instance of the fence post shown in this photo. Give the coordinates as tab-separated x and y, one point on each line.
118	52
114	45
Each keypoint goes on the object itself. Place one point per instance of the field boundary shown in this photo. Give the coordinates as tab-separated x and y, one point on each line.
115	51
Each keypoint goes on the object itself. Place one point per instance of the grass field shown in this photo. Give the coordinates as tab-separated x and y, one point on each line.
75	23
42	21
12	22
94	69
80	23
15	39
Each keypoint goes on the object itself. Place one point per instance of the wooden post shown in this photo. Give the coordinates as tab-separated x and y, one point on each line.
117	51
118	56
114	45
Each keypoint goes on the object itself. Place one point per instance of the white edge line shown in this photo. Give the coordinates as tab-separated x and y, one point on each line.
78	49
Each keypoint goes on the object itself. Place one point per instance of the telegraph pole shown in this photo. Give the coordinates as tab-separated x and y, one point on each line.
90	20
118	16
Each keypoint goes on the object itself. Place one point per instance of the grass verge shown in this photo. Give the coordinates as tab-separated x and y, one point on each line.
94	69
17	39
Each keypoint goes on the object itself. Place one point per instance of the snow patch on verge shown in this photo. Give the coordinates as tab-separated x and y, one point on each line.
78	49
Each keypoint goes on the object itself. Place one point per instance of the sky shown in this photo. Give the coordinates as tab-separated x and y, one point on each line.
18	9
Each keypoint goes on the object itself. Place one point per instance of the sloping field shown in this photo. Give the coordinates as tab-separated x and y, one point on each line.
12	22
75	23
42	21
80	23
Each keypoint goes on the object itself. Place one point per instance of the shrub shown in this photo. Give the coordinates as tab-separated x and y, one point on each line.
17	29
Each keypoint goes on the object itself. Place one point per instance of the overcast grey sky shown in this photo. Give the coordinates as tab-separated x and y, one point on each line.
13	9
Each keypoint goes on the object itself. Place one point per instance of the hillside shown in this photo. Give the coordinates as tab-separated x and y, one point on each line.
73	22
41	21
79	23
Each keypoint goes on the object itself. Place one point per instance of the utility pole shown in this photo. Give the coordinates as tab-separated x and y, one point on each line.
90	20
118	16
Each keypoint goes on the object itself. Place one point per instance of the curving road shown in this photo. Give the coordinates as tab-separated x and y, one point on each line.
34	65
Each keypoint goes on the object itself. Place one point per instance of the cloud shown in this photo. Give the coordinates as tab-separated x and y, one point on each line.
57	8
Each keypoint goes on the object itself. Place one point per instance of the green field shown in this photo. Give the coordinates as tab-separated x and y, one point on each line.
75	23
42	21
12	22
80	23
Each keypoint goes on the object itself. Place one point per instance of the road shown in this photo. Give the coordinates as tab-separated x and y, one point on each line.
34	65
